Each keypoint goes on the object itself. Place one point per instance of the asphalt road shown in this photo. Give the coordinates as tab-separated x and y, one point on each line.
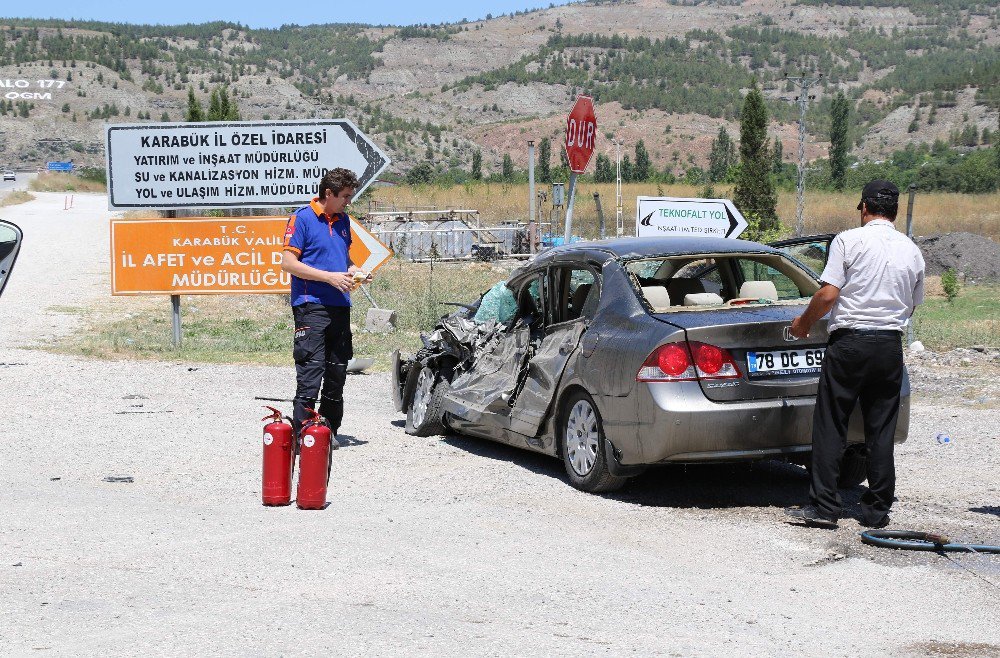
22	182
441	546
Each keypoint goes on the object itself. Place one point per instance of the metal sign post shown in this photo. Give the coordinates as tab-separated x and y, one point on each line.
581	133
175	303
569	208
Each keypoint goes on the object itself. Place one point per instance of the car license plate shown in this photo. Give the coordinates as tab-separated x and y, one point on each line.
785	362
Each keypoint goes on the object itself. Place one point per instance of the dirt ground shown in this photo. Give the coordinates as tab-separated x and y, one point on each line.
444	546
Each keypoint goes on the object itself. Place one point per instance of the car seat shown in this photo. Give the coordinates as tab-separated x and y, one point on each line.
577	301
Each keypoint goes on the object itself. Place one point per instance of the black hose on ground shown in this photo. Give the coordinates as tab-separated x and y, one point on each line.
913	540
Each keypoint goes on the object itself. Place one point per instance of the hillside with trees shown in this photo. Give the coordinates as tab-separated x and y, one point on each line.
670	76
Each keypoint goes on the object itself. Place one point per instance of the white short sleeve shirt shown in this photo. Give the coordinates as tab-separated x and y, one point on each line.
880	273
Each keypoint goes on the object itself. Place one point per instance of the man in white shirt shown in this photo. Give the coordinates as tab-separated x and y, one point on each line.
873	280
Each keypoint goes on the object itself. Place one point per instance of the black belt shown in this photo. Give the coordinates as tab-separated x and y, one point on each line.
866	332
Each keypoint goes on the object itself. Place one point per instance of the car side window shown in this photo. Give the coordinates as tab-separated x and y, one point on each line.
811	254
531	302
578	294
752	270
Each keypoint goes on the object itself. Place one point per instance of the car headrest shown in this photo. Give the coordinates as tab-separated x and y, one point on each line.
678	288
702	299
759	290
657	296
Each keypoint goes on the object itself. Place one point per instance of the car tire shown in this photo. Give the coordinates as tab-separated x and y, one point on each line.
409	386
853	467
582	446
424	416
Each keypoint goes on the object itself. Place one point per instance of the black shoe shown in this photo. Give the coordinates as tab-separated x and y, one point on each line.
880	524
810	516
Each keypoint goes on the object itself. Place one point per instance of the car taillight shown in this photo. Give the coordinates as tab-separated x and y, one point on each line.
713	362
673	363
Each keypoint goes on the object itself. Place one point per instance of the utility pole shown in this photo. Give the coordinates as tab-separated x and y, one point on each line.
619	219
804	83
531	196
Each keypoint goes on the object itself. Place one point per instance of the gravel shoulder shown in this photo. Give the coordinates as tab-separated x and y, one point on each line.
446	546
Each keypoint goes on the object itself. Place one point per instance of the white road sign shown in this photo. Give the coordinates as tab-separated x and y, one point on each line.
242	164
688	217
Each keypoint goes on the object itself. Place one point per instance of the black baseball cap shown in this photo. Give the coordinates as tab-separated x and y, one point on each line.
879	189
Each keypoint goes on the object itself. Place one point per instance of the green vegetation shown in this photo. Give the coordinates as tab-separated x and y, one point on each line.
949	281
311	56
722	158
931	167
840	112
754	193
637	72
971	319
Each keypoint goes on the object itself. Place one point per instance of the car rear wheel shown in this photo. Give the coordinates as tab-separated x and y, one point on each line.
581	437
424	415
854	467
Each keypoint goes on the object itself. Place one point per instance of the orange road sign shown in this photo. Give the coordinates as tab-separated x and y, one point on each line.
213	255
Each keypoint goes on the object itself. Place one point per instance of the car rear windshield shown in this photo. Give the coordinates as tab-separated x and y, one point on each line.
705	281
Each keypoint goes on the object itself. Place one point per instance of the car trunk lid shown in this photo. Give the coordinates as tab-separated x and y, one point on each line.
754	335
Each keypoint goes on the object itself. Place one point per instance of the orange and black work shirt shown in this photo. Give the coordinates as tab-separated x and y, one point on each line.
321	242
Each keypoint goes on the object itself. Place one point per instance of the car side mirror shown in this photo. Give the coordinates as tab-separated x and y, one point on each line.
10	243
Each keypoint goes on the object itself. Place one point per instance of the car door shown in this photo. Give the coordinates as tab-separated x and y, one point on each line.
811	250
575	293
484	394
10	244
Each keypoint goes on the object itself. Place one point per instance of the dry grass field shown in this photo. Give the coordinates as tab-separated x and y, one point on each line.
825	212
15	198
53	181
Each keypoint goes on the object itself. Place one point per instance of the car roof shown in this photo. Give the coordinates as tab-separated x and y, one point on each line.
634	247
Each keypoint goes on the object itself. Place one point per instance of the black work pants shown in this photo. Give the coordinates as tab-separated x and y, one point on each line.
865	369
322	349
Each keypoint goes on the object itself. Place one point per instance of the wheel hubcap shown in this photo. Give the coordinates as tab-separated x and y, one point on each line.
421	397
582	437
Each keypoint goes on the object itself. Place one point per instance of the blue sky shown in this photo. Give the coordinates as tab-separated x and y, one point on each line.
257	13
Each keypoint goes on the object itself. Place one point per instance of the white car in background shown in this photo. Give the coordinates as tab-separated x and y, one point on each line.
9	175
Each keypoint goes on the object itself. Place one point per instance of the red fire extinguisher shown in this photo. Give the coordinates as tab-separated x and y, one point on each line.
279	459
314	463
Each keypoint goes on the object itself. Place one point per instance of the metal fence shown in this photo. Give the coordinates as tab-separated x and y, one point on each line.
455	239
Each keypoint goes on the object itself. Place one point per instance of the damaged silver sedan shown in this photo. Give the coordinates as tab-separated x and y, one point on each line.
621	354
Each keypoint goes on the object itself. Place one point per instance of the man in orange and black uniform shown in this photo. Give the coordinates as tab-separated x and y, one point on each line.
316	254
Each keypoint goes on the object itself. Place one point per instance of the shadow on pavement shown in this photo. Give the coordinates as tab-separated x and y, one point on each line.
701	486
987	509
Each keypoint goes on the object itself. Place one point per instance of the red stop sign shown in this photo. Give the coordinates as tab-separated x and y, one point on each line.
581	130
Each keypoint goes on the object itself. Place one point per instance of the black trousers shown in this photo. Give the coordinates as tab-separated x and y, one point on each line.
865	369
321	350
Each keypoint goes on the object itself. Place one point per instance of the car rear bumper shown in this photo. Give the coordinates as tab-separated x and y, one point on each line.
677	423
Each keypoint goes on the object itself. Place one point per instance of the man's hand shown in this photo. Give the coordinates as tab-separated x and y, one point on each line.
342	281
799	329
819	305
